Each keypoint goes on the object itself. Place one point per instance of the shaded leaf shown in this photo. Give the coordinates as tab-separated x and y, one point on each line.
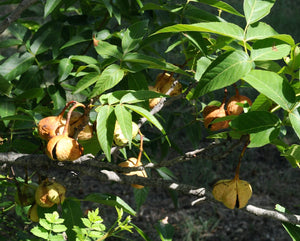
72	214
110	200
292	154
50	6
16	65
262	126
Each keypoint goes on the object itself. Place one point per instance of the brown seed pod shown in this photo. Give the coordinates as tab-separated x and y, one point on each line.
214	114
177	89
33	213
153	102
41	196
48	127
133	162
233	108
163	82
56	192
63	147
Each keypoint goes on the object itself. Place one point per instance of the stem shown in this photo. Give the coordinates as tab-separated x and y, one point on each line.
237	170
138	163
76	104
64	109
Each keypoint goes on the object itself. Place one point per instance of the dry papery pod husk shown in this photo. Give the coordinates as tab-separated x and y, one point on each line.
233	108
234	193
119	138
153	102
164	82
63	147
49	193
76	121
49	127
133	162
211	113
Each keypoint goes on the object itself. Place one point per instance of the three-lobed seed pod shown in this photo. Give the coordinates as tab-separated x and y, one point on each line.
63	147
210	113
133	162
163	83
233	107
119	138
49	193
49	127
234	193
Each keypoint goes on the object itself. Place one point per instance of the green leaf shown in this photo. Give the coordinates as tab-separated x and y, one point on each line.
125	120
110	200
202	64
165	230
222	28
293	155
140	196
57	95
255	10
140	232
74	40
137	81
139	96
7	108
269	49
262	126
198	15
273	86
225	70
261	103
84	59
105	50
145	113
133	35
50	6
72	214
5	86
152	62
110	77
292	229
220	5
105	128
86	82
16	65
45	224
64	68
45	38
259	30
295	121
40	232
10	42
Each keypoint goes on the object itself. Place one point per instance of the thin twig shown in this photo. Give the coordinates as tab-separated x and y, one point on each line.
15	14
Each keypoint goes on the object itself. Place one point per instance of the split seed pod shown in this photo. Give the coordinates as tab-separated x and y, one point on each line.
232	105
49	193
119	137
153	102
163	82
213	114
63	147
133	162
49	127
232	193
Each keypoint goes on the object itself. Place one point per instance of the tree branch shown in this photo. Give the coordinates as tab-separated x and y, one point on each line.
43	164
16	14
